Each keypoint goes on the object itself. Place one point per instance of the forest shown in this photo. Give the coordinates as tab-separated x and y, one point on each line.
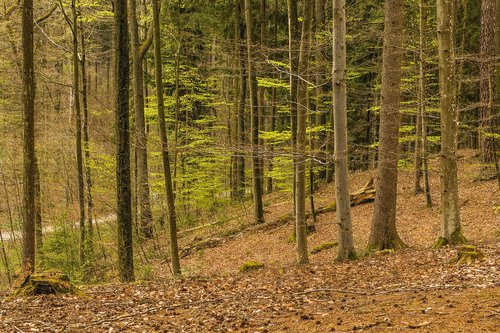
249	165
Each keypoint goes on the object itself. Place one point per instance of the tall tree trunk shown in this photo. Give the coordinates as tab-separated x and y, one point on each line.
343	215
293	35
383	233
450	207
86	147
78	129
319	107
254	117
497	54
143	195
235	182
422	138
123	191
174	251
28	138
487	84
241	109
300	151
272	122
261	94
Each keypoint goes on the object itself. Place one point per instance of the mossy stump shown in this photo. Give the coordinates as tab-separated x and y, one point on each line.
467	254
48	282
250	266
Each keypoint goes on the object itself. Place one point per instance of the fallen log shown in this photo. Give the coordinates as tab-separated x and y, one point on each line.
364	195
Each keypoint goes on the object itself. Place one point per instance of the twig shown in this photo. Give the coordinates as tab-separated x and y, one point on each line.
18	329
425	323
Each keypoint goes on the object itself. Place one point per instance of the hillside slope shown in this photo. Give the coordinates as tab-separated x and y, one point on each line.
416	289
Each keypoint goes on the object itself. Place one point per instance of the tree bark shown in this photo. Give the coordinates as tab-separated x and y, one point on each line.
422	107
450	207
123	192
254	119
29	158
383	233
300	151
174	250
86	147
343	216
293	35
143	195
78	129
487	84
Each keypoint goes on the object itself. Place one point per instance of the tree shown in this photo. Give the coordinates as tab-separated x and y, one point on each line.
123	187
29	166
300	148
421	165
487	84
254	120
174	250
450	206
383	234
138	52
78	127
343	214
89	237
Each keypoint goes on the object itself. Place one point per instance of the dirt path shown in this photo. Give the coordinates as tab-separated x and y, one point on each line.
8	235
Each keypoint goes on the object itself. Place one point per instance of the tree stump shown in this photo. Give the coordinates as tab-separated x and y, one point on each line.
467	254
48	282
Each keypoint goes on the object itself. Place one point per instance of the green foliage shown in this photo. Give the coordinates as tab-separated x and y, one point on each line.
272	83
405	164
60	250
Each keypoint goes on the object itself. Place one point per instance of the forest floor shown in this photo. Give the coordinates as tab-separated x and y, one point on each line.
416	289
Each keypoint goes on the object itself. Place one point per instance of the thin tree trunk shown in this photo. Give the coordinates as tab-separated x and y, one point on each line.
78	129
254	117
450	207
422	105
300	151
293	35
322	145
234	122
38	209
143	194
29	166
383	233
487	84
174	251
343	215
86	147
123	191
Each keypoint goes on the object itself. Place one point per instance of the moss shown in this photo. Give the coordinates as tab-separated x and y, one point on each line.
250	265
440	242
383	252
324	246
456	238
293	237
391	245
47	282
350	256
467	254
